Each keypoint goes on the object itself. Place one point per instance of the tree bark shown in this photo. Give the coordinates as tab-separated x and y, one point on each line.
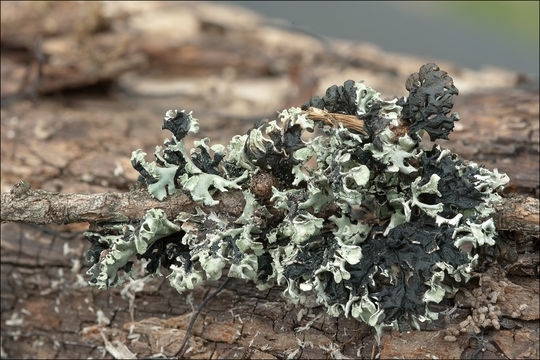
26	205
23	204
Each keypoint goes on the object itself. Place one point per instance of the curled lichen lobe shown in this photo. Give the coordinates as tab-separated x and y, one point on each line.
367	223
430	100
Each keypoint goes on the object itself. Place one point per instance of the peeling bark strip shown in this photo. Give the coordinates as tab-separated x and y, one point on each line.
22	204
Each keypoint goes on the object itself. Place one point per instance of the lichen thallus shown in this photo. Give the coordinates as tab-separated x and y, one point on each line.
360	216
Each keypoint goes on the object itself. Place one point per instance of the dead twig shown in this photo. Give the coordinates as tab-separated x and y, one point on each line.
180	351
348	121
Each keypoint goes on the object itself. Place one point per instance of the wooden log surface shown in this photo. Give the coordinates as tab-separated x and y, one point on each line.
230	73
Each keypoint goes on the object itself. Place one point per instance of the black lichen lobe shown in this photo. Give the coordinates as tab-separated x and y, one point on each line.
457	191
144	178
309	259
431	98
174	157
338	99
408	254
203	160
373	122
277	155
177	122
165	252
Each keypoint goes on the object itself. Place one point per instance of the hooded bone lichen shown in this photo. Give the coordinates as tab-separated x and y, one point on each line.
369	224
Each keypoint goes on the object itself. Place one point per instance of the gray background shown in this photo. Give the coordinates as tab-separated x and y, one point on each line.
471	34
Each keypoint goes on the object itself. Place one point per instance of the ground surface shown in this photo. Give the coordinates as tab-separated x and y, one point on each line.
107	75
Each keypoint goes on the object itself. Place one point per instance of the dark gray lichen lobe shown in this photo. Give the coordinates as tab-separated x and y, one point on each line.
431	98
368	225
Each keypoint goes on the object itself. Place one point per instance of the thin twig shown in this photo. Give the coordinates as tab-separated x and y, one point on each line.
349	121
180	351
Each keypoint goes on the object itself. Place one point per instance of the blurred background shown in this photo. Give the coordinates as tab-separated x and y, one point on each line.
473	34
83	84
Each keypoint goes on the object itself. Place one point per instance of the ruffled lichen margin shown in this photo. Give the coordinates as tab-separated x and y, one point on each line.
367	224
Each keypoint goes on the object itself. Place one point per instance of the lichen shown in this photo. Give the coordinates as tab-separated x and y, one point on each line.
370	224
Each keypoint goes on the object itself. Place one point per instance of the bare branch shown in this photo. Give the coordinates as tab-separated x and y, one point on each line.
22	204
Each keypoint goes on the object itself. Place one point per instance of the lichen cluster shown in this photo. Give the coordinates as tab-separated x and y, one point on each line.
368	224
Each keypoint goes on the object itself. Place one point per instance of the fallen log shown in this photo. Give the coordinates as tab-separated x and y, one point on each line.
498	130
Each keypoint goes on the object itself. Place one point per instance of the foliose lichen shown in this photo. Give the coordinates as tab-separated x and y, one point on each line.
370	225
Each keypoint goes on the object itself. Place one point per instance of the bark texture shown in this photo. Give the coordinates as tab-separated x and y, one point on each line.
23	204
26	205
230	73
